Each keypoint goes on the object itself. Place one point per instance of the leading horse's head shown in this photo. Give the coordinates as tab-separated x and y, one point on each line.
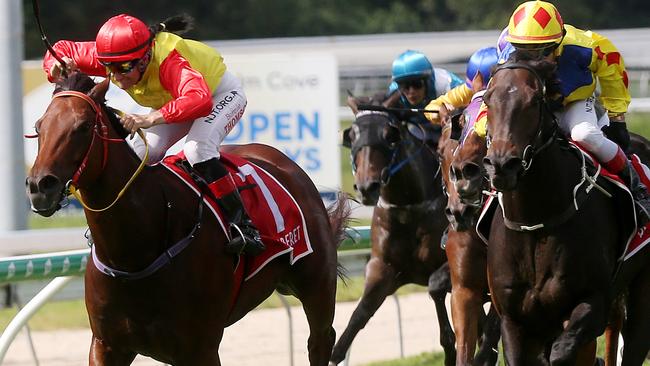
382	146
72	137
520	121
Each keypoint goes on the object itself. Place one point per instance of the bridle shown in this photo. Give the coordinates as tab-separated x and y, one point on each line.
393	149
100	131
537	143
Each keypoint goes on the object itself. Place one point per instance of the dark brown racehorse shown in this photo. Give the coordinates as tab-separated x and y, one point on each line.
176	315
397	168
553	272
466	252
465	199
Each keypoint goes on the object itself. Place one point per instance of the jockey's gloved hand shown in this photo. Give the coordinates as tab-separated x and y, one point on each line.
617	132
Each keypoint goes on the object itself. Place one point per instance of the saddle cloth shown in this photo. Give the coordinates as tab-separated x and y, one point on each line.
638	238
270	206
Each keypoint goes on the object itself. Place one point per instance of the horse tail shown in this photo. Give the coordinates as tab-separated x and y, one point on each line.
339	216
178	24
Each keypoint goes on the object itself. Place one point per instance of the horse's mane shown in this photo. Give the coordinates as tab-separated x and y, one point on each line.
78	81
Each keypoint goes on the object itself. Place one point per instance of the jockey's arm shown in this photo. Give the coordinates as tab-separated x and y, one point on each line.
609	67
77	55
456	97
192	96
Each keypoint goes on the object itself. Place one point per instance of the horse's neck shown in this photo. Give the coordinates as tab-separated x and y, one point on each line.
546	189
414	184
130	233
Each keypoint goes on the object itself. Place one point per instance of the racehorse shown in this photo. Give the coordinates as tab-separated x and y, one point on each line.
466	252
178	313
396	167
554	269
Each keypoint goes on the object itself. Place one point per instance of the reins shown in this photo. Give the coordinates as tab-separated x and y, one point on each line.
100	130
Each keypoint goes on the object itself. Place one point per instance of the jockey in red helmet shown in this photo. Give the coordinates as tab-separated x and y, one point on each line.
191	94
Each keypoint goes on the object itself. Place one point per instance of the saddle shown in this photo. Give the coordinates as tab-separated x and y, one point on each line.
270	205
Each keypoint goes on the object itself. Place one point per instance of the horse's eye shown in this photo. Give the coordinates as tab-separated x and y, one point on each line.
391	134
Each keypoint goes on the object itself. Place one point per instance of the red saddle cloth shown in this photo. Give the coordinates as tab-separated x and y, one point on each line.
271	207
638	237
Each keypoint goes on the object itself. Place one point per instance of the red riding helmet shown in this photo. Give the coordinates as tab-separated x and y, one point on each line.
122	38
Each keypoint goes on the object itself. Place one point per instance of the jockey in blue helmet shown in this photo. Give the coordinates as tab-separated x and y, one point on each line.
417	82
477	75
480	63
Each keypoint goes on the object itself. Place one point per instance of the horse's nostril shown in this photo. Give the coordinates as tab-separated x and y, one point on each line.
48	183
512	165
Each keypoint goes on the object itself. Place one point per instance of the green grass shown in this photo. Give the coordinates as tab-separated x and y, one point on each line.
438	358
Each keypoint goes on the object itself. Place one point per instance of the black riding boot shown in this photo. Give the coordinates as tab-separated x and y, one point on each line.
245	237
639	193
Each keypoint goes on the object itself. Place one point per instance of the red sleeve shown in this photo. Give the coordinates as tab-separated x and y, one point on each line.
84	55
192	97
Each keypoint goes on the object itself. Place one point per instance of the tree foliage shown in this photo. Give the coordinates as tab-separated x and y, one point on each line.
80	20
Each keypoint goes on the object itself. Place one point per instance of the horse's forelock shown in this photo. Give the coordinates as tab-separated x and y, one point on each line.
76	81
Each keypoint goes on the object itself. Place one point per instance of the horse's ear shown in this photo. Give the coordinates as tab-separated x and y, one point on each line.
392	100
456	124
353	104
98	92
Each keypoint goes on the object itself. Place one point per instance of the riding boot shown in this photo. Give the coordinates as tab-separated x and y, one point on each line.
621	166
245	236
639	193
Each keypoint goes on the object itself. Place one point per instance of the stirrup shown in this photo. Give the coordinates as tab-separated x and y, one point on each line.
243	244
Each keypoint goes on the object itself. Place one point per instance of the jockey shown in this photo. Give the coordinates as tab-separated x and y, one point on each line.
415	82
470	93
191	94
583	58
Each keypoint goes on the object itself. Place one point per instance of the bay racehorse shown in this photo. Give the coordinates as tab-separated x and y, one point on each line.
177	312
395	166
554	270
466	252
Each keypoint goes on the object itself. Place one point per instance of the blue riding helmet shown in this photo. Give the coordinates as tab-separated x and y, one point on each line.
481	62
411	65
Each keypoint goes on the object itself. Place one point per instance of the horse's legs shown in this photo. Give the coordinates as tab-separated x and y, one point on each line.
488	353
637	324
103	355
439	286
520	347
614	325
586	323
316	289
380	282
467	263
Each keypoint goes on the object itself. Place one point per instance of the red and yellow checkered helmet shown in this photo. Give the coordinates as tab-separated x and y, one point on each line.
535	22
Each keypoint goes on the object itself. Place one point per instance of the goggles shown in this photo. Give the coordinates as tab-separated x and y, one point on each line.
123	67
536	51
415	84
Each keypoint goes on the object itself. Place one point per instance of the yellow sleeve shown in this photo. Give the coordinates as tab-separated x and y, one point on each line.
609	68
456	97
480	126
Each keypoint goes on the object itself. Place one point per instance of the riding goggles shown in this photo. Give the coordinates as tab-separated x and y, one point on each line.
123	67
536	51
415	84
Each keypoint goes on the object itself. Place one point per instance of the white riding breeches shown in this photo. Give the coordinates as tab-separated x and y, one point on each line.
579	121
205	134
